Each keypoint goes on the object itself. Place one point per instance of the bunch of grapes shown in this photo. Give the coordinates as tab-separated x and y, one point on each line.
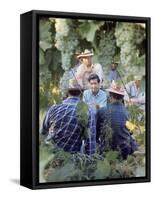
128	37
65	41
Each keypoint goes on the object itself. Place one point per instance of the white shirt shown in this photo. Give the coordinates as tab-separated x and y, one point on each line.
135	94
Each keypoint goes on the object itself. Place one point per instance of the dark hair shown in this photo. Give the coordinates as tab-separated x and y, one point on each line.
74	92
93	77
116	96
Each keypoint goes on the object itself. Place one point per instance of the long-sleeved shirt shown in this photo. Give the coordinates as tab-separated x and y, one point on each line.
100	99
137	96
62	124
115	115
113	76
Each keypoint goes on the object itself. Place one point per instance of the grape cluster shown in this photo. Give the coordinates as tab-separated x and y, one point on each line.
65	41
128	37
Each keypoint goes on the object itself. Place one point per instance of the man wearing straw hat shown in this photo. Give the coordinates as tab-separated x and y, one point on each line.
86	68
62	127
115	115
134	95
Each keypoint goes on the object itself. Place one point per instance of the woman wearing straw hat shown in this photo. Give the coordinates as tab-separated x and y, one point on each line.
115	115
86	68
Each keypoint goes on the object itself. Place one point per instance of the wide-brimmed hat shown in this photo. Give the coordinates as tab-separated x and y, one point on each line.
137	77
114	88
74	85
86	53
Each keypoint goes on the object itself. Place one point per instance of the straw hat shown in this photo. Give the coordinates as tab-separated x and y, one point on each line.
137	77
74	85
116	89
86	53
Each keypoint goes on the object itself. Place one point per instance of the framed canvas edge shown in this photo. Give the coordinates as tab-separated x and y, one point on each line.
35	107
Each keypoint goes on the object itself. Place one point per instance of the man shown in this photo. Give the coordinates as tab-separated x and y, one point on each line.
95	97
115	115
133	93
113	74
62	126
86	68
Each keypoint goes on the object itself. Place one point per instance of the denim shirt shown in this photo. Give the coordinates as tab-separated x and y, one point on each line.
100	98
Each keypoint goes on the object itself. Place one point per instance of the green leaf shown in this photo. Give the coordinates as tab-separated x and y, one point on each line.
61	174
44	45
103	169
112	155
41	57
140	171
82	113
88	30
44	32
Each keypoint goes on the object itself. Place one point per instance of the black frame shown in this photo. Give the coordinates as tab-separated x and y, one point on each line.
29	108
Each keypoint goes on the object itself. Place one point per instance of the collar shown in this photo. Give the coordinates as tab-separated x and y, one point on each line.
74	98
98	93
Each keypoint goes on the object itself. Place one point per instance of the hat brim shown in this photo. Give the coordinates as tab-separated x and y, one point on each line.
115	91
85	55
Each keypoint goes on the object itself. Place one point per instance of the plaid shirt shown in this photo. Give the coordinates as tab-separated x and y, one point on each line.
61	123
116	116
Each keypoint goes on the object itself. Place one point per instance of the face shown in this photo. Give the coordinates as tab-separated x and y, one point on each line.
113	66
137	83
87	61
94	86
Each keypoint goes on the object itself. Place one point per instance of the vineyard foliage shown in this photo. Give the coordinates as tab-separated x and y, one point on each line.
59	41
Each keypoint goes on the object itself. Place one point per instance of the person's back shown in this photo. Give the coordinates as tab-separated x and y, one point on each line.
115	115
64	128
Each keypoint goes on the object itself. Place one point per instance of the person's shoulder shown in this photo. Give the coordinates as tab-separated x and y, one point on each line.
131	83
80	66
51	108
97	65
102	92
86	92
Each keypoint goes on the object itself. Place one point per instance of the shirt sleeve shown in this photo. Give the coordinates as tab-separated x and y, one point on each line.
110	76
141	98
99	71
46	125
127	92
80	72
103	100
85	96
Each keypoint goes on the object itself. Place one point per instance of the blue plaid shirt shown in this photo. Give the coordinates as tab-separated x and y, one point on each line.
61	122
116	116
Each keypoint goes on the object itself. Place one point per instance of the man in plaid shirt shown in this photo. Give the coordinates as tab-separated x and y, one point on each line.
65	130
